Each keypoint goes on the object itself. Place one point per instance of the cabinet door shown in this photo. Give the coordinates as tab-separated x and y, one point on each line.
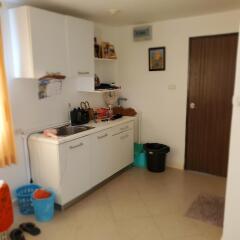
101	156
75	168
80	35
123	148
48	36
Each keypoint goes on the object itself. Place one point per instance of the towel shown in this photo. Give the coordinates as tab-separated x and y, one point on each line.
6	209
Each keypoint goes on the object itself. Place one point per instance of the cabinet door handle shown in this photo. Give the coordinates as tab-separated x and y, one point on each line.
76	146
103	136
83	73
124	128
53	73
123	137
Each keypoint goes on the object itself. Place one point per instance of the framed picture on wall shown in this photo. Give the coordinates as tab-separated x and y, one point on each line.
157	58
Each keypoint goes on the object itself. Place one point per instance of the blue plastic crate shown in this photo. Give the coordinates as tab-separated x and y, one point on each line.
23	195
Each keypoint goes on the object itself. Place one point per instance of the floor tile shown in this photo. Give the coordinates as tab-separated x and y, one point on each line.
174	225
142	228
136	205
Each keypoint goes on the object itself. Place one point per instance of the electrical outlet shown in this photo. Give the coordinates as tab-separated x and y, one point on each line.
172	86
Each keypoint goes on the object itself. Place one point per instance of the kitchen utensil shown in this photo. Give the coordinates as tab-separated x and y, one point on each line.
101	113
90	110
79	115
74	116
84	115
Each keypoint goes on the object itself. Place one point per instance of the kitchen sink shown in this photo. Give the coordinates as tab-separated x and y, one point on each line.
70	130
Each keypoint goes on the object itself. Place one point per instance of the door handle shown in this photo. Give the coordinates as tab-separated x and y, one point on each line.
75	146
192	105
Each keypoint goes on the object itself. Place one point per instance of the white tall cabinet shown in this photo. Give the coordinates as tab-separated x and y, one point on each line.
38	40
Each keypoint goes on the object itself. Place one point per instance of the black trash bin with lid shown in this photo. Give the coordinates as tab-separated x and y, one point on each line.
156	156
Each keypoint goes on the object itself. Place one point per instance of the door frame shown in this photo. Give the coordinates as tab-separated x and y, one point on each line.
188	87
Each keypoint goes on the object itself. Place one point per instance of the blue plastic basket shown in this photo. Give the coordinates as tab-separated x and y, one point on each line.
44	208
23	195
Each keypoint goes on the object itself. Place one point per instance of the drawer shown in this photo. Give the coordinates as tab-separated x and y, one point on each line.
102	135
122	128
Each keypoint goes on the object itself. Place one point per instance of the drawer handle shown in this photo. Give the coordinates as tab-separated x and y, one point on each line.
83	73
76	146
124	128
123	137
53	73
103	136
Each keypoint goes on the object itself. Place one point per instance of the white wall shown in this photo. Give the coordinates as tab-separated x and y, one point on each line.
31	113
163	110
232	213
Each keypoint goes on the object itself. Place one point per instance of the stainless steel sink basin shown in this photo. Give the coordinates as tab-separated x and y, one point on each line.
70	130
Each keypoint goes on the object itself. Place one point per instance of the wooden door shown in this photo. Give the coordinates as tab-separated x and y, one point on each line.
212	64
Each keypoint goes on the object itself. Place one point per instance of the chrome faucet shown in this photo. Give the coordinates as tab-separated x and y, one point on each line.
120	99
69	114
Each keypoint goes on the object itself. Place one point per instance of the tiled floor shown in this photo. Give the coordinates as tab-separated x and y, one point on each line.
137	205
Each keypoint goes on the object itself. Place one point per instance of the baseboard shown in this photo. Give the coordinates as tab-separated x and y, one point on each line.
175	168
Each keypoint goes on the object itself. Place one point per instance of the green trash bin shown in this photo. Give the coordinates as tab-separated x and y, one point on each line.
140	159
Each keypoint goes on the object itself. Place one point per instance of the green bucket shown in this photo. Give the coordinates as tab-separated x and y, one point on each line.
139	156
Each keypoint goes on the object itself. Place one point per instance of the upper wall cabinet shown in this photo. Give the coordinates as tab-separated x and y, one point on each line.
80	42
38	40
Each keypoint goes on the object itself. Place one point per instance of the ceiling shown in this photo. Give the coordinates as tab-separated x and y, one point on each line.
131	11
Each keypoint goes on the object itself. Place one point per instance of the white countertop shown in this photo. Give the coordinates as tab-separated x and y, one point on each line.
97	128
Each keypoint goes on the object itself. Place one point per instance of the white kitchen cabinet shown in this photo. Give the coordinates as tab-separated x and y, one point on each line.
75	168
64	168
80	42
101	156
123	150
112	151
38	39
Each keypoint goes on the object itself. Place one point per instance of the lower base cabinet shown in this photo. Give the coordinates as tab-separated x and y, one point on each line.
112	151
72	168
101	156
75	168
122	149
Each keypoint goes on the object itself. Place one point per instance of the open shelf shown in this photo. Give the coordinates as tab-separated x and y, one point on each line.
105	59
101	91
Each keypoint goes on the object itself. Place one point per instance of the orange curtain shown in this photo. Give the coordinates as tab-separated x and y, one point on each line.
7	144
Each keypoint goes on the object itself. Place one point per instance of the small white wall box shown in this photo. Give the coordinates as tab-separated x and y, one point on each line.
142	33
